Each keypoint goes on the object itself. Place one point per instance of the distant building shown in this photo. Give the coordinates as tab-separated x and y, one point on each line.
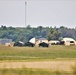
54	42
3	41
68	41
40	40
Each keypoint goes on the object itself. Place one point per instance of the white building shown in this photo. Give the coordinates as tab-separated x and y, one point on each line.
54	42
68	41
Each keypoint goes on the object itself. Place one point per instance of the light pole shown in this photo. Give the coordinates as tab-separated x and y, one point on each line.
25	13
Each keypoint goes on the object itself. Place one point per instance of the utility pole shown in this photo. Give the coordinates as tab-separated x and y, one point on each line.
25	13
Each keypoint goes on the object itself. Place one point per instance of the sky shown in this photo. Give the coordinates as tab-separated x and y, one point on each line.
36	13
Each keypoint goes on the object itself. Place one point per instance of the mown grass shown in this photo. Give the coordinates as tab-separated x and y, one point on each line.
37	53
34	54
33	71
26	71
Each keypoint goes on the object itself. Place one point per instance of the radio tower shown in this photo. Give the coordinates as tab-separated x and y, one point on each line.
25	13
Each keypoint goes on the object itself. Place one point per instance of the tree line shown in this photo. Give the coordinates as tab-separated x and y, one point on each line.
26	33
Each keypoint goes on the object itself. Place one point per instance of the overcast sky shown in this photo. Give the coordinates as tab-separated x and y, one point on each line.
38	13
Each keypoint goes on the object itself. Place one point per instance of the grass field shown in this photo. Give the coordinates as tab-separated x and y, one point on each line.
37	53
26	71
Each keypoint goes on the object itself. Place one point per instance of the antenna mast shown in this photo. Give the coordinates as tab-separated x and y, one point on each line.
25	13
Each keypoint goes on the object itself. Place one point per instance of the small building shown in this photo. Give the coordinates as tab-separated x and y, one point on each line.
68	41
40	40
4	41
54	42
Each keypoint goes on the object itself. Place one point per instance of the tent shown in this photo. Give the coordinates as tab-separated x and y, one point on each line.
68	41
32	40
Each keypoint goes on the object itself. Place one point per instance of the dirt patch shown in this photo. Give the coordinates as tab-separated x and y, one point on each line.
52	65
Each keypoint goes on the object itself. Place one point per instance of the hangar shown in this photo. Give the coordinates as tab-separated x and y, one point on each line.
68	41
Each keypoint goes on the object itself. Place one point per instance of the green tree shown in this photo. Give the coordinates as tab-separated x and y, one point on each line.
53	34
